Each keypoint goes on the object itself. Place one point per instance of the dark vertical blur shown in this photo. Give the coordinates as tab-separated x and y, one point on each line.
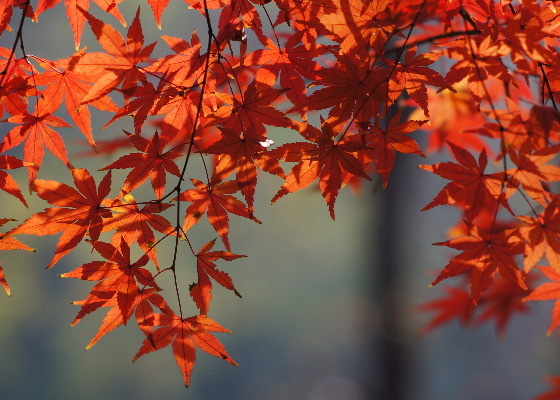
388	347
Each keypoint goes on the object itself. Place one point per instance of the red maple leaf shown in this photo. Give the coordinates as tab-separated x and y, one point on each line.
384	142
133	224
252	110
469	182
186	334
323	158
355	24
120	65
295	61
201	291
531	172
502	300
76	213
242	154
72	87
35	129
214	197
353	88
118	279
144	313
185	67
542	236
483	254
414	75
7	183
152	161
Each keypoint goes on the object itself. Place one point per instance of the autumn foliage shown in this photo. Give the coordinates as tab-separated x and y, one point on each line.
481	76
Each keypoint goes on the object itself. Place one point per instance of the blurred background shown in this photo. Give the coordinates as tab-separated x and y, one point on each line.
326	312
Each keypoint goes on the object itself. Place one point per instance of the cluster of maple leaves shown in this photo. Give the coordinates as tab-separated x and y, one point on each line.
273	63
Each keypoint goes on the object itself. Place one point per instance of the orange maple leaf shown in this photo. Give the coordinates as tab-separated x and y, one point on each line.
531	172
152	161
242	154
186	334
35	129
118	279
76	212
144	313
214	197
201	291
482	255
542	236
469	182
384	142
135	224
120	65
323	158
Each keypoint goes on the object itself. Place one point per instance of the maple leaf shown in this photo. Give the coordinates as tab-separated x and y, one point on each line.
484	59
414	75
294	61
185	334
180	116
531	172
455	304
355	24
253	110
120	65
186	66
146	98
133	224
482	255
353	88
75	12
14	86
36	131
234	12
144	313
542	235
469	182
152	161
323	158
549	291
118	279
297	13
383	143
72	87
242	154
214	197
201	291
77	212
